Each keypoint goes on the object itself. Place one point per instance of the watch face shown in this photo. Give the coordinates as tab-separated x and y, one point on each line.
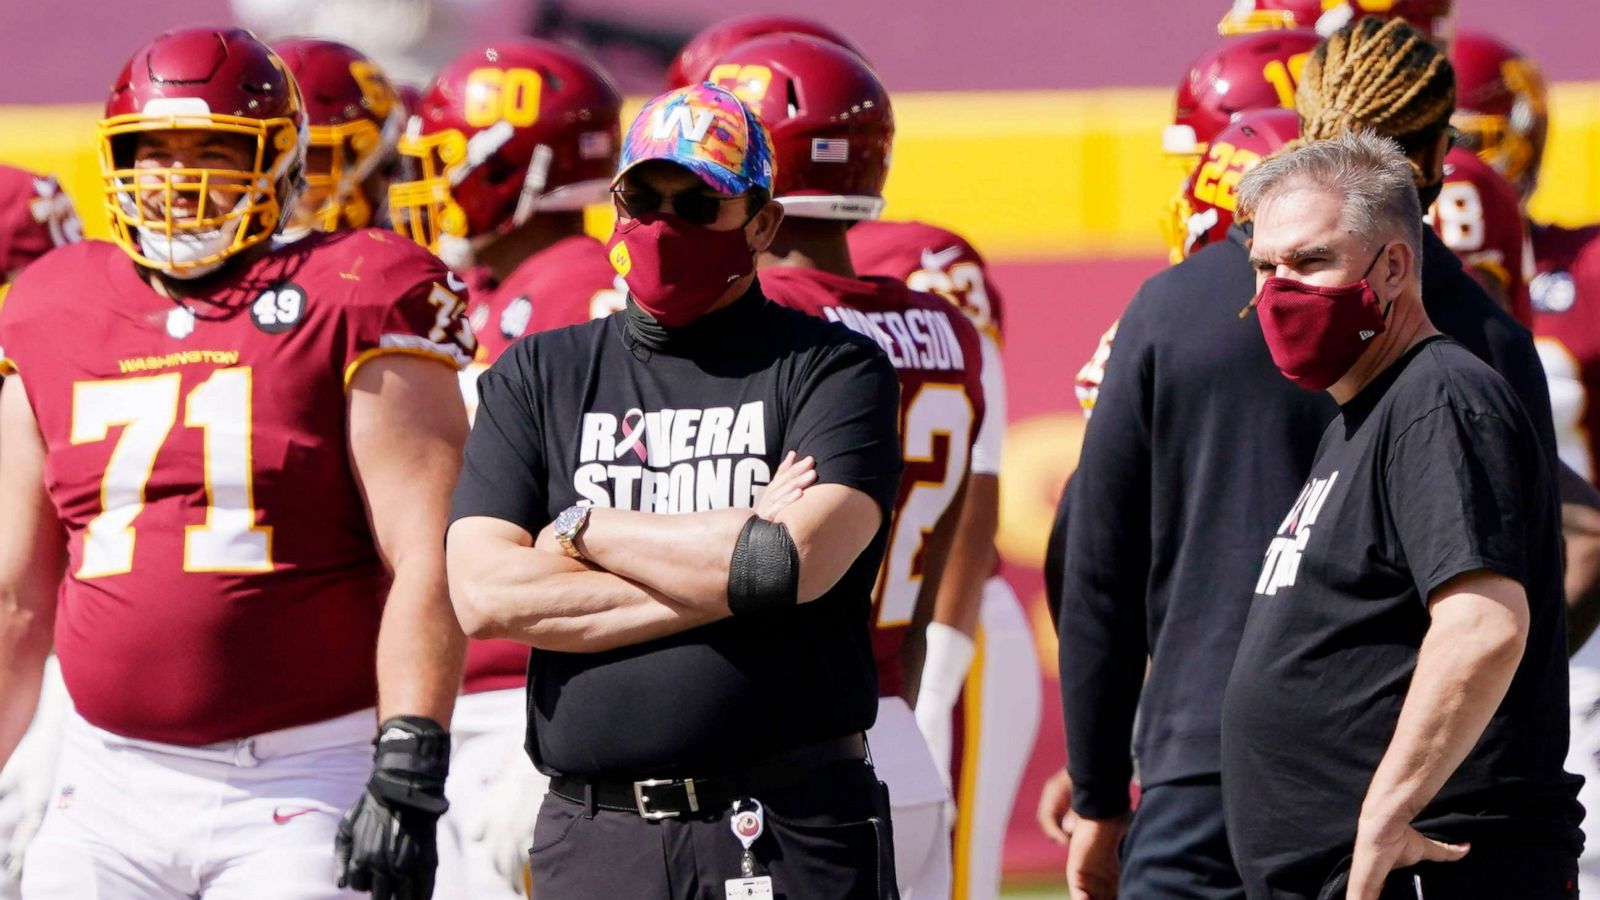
568	520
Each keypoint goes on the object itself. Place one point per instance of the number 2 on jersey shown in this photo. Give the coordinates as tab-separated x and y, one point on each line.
937	409
147	411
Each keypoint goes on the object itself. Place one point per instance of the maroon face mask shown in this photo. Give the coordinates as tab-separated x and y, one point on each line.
1317	333
675	270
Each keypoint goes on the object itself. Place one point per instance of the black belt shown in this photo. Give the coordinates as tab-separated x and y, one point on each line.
664	798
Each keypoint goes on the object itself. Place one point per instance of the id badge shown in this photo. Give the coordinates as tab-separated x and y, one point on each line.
750	888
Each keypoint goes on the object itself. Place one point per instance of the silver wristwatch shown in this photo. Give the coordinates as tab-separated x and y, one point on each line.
568	525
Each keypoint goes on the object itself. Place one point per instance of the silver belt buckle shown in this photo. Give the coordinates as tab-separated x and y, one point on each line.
641	799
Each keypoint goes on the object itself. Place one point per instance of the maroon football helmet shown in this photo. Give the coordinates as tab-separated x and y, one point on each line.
504	131
201	79
830	120
1253	71
355	119
1434	18
693	63
1501	108
1251	16
410	97
1203	211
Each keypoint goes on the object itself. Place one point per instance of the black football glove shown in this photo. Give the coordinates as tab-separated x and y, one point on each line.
386	841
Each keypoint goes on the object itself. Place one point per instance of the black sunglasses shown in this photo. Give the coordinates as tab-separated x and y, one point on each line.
694	206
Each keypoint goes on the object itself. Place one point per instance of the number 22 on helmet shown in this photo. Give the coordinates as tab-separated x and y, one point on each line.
1203	211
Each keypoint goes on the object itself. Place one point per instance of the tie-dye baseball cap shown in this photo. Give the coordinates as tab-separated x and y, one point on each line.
708	131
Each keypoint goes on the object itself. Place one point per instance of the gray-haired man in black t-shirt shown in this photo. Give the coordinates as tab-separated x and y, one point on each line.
1395	724
682	510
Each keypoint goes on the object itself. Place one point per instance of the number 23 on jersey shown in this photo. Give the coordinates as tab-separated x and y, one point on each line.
146	410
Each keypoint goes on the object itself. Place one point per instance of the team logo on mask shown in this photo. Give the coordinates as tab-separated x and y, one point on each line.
620	260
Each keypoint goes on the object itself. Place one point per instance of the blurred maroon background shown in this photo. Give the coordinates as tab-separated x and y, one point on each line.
67	50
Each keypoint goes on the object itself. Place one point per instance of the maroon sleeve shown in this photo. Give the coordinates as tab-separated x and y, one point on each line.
416	307
36	215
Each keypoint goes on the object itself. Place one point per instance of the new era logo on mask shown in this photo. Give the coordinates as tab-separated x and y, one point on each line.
1366	335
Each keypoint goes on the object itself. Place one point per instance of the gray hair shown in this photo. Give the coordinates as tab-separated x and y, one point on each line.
1369	171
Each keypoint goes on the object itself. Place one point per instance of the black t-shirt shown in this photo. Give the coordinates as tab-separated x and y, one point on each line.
609	413
1197	447
1432	471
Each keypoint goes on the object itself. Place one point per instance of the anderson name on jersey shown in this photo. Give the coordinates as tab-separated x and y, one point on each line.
937	359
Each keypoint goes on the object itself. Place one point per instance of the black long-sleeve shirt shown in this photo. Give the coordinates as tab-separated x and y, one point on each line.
1197	449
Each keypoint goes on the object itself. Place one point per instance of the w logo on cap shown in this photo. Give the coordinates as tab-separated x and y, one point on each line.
691	125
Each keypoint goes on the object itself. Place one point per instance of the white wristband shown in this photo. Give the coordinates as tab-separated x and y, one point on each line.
944	668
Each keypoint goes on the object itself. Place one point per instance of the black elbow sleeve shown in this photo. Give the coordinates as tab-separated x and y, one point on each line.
765	571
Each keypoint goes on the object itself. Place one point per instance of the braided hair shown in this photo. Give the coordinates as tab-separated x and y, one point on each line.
1383	76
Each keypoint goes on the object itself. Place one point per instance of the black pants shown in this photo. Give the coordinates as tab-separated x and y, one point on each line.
1486	873
1176	848
826	839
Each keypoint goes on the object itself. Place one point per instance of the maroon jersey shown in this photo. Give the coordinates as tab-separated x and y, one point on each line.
567	283
1479	216
938	359
1566	329
222	578
35	216
931	259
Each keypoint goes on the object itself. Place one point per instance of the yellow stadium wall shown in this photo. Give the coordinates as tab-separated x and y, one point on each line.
1025	175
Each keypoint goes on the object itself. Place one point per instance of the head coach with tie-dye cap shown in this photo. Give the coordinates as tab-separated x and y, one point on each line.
682	509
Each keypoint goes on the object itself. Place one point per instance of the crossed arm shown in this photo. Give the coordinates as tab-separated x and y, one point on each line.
648	575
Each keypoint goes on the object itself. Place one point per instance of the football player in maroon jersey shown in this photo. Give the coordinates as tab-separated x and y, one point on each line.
226	480
355	117
36	215
547	119
1479	216
832	127
509	145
